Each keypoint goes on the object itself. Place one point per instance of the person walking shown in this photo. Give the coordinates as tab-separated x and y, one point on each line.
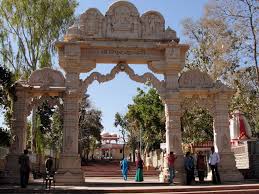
49	165
170	160
49	171
201	166
213	163
25	168
139	171
124	168
189	165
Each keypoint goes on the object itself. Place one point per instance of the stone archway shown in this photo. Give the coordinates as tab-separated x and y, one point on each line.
42	85
124	37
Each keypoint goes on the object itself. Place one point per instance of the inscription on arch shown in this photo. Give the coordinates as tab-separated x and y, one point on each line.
195	79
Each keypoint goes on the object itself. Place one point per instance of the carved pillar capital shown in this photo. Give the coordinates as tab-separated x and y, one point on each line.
171	80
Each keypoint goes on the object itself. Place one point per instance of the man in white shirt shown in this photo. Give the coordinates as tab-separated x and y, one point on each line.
213	162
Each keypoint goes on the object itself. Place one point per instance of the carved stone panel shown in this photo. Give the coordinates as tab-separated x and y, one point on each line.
195	79
153	25
47	77
91	23
122	21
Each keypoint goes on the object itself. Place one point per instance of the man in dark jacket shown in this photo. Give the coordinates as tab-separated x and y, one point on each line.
189	165
25	168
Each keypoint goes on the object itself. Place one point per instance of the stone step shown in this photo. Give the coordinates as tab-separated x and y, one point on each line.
227	189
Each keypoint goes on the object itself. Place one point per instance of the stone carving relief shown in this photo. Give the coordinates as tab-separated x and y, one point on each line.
68	143
47	77
147	77
195	79
91	23
171	34
122	20
172	53
153	25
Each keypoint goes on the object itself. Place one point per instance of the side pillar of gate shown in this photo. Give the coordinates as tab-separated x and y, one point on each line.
69	170
173	135
19	132
227	167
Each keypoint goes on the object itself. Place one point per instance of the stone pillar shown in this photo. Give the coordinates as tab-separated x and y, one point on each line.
19	132
174	135
70	163
227	167
33	129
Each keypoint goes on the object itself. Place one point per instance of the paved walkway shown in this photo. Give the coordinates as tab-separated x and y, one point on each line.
116	185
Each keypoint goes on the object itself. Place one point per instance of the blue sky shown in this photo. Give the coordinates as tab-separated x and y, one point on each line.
114	96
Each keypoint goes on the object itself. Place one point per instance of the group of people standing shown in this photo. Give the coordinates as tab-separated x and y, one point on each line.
189	165
201	166
139	168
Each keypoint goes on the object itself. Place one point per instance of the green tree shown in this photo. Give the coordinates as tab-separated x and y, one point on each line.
5	137
28	30
53	137
121	121
90	128
197	126
7	93
147	113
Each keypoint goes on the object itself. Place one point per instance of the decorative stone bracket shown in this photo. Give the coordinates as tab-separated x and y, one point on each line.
145	78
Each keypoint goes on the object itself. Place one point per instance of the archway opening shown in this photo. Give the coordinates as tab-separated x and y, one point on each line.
116	96
198	138
44	133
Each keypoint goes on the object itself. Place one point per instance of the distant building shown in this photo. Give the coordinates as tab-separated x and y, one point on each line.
110	148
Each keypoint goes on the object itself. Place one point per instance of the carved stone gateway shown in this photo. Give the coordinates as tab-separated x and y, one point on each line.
123	37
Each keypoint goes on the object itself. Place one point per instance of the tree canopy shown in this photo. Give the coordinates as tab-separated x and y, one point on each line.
90	128
147	113
28	30
224	43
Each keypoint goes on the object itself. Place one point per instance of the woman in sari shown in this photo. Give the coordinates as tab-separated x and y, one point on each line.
139	171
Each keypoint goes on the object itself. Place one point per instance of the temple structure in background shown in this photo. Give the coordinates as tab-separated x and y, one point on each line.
111	148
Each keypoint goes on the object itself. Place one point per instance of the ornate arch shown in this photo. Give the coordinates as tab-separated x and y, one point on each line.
38	101
147	77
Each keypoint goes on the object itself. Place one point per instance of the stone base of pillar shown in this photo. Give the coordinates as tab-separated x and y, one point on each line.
180	175
12	170
227	168
69	171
